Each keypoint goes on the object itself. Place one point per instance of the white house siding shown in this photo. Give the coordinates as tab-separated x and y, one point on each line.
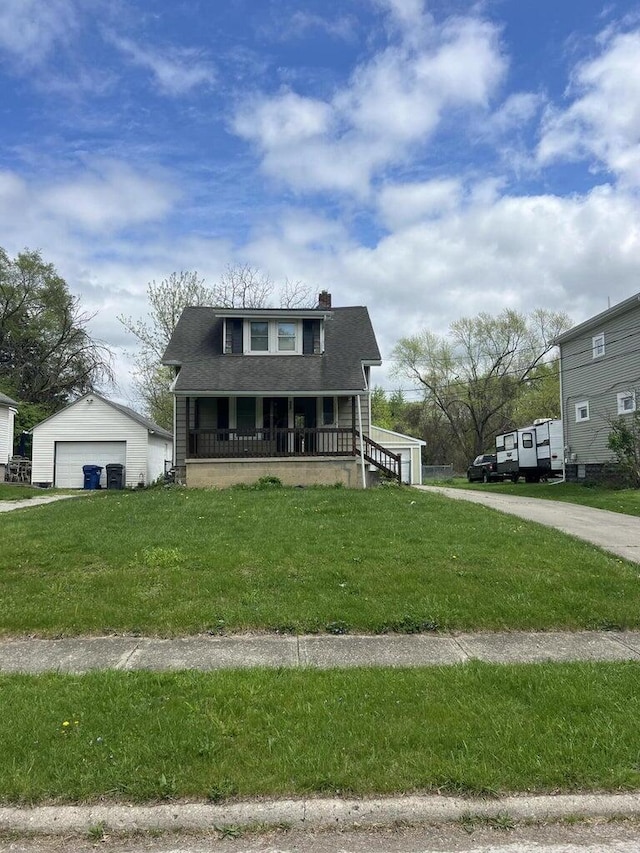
89	421
598	382
160	449
7	419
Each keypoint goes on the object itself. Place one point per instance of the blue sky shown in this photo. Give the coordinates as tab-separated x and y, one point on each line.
427	159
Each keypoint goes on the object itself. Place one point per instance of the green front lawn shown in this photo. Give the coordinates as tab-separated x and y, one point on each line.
616	500
178	561
20	492
468	729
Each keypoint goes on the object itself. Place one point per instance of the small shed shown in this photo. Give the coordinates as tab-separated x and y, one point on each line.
8	409
409	448
96	431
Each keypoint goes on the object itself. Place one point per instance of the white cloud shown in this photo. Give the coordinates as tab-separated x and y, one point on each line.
176	71
516	112
603	121
110	197
104	200
341	26
403	204
31	29
482	251
283	121
393	101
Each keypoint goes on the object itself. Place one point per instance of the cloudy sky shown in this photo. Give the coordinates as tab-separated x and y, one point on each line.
427	159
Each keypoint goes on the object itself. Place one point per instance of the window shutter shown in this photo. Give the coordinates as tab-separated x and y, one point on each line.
310	337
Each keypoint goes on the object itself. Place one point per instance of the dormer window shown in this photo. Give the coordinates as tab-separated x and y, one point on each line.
273	336
287	337
260	335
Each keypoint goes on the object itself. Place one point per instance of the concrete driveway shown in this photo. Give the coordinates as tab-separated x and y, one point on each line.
613	531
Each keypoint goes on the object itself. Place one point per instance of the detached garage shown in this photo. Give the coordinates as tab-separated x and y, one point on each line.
409	448
97	431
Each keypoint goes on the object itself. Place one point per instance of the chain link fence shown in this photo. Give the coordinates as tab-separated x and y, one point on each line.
437	472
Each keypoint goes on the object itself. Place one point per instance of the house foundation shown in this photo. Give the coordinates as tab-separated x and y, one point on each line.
305	471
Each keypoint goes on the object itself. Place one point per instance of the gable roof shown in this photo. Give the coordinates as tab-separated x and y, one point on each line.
197	347
125	410
599	319
6	401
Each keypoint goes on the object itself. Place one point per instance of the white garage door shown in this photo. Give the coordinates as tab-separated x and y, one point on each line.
72	455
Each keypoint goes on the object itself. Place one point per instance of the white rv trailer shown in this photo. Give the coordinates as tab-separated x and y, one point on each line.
534	452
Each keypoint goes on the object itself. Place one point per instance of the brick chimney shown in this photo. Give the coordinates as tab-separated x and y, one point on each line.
324	299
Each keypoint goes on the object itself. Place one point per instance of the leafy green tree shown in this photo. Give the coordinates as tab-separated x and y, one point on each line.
47	354
474	376
539	396
380	410
624	441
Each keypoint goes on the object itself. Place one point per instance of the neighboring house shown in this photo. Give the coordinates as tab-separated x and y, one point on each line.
275	392
96	431
599	382
409	449
8	409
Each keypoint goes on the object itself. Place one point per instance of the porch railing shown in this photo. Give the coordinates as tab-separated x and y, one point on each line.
247	444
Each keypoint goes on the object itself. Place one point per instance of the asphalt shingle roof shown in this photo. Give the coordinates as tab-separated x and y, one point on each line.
196	345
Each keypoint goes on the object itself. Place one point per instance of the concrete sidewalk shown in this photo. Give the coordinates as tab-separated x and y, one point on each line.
206	653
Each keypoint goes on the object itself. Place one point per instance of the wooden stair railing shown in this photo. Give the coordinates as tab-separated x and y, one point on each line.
384	460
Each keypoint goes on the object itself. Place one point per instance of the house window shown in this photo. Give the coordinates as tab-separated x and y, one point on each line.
286	337
626	402
259	336
283	337
328	411
582	411
597	345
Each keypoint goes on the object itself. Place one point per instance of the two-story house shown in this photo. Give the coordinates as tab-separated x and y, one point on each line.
275	392
599	382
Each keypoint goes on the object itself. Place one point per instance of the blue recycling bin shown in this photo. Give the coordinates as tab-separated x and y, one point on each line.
92	476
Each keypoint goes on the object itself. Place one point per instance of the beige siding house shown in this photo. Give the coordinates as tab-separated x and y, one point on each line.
8	409
96	431
275	392
600	381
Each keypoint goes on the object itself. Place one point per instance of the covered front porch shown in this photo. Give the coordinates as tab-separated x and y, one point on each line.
277	433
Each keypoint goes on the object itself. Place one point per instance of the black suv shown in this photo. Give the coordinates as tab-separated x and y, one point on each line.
485	468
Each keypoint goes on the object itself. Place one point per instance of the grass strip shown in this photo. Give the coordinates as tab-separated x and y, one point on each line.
474	728
172	562
19	492
626	501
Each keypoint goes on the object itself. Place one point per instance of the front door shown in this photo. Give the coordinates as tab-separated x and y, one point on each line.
275	419
528	456
305	417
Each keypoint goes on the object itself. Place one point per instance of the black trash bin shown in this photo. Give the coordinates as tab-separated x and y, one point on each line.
115	476
92	476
